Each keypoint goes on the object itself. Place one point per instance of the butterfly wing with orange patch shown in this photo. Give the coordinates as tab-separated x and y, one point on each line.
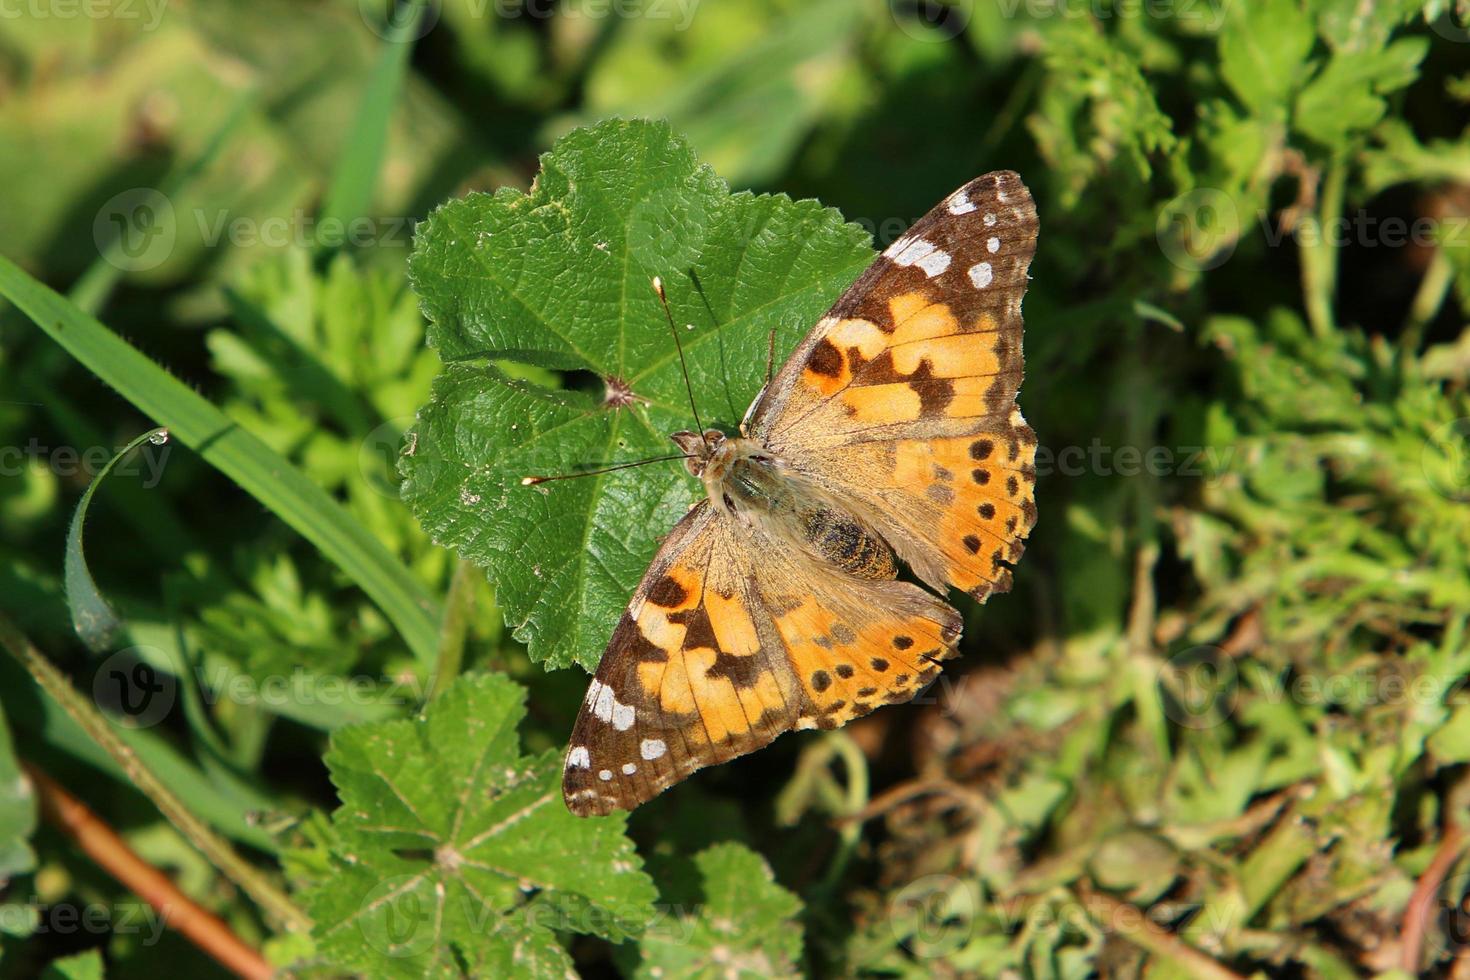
902	401
720	651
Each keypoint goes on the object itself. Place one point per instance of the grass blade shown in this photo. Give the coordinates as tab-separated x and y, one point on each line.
350	193
91	614
235	452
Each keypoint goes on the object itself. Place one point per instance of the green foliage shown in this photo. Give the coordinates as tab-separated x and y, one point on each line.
81	966
1227	697
452	850
743	928
17	812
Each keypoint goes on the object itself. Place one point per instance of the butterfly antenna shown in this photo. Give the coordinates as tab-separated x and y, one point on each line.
658	287
531	481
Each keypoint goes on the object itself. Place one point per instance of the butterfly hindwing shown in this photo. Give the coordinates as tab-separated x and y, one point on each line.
902	400
732	638
692	676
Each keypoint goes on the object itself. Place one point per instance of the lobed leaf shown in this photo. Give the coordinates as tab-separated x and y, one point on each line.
455	849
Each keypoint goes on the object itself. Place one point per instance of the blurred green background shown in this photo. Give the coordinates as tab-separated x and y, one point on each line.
1227	692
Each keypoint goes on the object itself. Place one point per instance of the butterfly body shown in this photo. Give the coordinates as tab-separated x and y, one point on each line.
890	435
744	478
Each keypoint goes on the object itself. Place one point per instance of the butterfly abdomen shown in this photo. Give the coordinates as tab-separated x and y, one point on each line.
845	543
792	510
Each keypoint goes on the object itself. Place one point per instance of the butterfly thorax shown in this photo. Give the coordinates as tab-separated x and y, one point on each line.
742	477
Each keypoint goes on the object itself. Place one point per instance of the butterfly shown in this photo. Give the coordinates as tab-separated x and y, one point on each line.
891	437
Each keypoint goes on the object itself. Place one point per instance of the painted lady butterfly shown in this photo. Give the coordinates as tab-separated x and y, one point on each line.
890	435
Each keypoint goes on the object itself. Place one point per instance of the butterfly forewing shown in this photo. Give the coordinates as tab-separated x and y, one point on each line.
902	400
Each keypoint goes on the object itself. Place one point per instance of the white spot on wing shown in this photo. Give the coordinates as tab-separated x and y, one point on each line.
652	748
602	707
989	220
960	203
578	758
914	252
606	706
899	244
934	263
981	274
604	775
629	768
993	245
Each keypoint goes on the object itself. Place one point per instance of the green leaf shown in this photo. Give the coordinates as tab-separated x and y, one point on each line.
81	966
560	278
746	926
453	848
1263	50
17	811
91	614
1346	97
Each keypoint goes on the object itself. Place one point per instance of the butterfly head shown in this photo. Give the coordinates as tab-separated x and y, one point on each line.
702	449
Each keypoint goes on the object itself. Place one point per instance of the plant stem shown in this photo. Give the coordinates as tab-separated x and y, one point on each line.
250	880
1319	250
177	911
453	628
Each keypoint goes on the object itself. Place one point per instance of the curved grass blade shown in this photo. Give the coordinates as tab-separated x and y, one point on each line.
91	614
